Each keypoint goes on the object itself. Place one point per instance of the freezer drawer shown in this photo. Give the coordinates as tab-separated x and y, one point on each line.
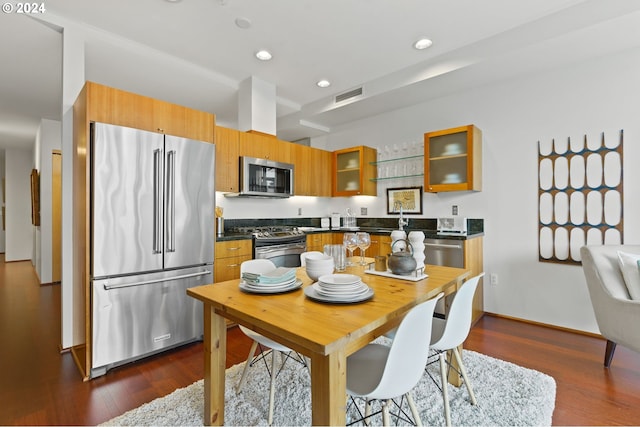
136	316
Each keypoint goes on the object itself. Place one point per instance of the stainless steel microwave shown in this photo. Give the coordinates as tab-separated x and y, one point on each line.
264	178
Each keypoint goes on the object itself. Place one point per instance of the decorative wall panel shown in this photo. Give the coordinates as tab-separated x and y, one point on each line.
580	199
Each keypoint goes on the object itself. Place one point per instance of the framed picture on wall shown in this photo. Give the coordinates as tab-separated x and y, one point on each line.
409	198
35	197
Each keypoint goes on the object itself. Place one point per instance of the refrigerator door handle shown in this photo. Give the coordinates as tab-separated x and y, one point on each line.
171	202
157	212
147	282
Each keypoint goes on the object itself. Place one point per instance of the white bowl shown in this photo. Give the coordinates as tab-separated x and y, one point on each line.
319	261
315	273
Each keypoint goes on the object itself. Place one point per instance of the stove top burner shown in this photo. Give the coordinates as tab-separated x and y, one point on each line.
272	232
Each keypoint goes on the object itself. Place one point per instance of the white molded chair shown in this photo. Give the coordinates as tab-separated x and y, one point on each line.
616	312
380	372
447	334
303	256
263	266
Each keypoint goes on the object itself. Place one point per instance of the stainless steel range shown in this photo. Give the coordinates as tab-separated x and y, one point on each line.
280	244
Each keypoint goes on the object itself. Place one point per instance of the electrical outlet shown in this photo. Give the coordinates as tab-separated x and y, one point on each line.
299	211
363	211
454	210
494	279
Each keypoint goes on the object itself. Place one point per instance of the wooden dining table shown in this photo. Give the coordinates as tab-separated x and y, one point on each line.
324	332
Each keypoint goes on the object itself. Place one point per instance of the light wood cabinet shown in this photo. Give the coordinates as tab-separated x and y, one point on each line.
473	260
98	103
113	106
229	256
312	173
227	159
316	241
453	159
380	245
353	171
263	146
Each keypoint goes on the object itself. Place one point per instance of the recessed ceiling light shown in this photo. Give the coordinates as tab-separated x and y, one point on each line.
263	55
323	83
173	1
243	23
422	44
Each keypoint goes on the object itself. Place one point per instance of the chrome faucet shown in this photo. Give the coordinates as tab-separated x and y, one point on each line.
401	221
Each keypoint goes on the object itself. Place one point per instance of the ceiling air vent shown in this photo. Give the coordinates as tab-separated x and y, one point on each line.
348	95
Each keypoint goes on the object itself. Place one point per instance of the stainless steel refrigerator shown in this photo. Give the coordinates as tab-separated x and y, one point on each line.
152	228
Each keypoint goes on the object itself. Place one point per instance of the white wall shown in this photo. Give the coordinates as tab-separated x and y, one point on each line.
586	98
19	232
47	140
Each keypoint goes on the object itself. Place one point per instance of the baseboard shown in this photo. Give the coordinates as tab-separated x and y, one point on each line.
546	325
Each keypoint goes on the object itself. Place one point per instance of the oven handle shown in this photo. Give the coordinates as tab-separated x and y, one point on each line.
276	248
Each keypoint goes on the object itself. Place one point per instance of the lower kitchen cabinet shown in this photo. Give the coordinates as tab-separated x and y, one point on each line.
229	256
380	245
316	241
473	260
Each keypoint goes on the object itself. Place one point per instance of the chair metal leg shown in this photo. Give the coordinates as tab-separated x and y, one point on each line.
608	354
445	392
463	372
367	412
414	409
252	352
272	388
386	420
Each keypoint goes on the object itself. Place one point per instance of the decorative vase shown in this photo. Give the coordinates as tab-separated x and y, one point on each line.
399	235
417	241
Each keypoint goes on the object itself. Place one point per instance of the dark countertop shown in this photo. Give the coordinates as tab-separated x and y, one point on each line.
376	226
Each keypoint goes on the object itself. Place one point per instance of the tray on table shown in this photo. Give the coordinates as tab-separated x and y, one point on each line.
417	275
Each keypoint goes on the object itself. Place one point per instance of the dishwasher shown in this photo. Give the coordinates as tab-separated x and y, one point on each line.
447	252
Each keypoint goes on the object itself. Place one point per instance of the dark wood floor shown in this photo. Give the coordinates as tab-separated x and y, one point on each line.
40	386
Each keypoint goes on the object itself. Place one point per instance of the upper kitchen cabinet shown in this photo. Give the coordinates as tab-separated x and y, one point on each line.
264	146
310	177
353	171
227	154
117	107
453	159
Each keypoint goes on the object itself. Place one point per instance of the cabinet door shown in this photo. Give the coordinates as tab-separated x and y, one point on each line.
453	159
320	172
380	245
353	171
265	146
227	157
176	120
312	171
114	106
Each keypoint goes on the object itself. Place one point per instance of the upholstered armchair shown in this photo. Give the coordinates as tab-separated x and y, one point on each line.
612	297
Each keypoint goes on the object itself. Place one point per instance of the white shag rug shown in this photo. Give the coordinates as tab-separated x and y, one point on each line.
507	395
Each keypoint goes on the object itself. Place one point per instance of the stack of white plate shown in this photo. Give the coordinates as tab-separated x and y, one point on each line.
339	288
281	279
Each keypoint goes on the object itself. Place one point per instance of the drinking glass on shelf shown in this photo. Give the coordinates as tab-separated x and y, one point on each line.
363	241
350	240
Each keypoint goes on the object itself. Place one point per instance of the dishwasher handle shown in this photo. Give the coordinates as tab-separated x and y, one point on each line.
443	245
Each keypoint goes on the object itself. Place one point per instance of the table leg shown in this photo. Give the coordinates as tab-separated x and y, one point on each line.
215	353
328	389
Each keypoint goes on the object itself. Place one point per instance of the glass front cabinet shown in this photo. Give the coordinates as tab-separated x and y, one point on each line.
353	171
453	160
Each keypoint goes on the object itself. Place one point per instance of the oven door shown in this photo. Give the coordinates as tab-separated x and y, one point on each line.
283	255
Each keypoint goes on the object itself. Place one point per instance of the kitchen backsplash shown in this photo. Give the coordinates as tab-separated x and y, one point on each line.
474	225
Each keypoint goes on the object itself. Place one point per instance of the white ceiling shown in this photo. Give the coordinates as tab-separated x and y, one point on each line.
192	53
